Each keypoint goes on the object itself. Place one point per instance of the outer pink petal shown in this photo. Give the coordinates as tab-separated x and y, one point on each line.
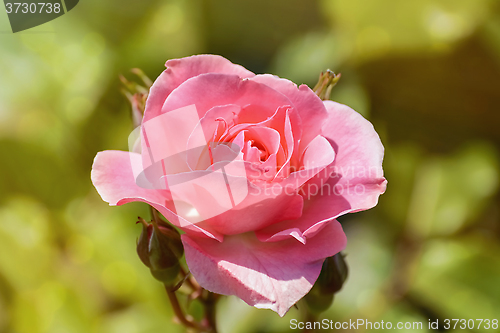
265	275
206	91
179	70
204	194
165	138
353	182
113	177
318	212
355	141
263	206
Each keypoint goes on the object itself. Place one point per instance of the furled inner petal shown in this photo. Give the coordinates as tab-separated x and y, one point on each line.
309	107
250	153
287	143
353	182
273	138
318	155
208	131
266	140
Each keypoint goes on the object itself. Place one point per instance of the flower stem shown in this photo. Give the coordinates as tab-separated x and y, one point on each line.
178	311
210	302
190	281
208	299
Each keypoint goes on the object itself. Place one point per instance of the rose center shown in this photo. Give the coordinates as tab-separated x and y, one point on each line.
264	154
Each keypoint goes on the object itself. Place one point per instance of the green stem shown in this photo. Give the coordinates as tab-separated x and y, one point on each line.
208	299
190	281
178	311
210	302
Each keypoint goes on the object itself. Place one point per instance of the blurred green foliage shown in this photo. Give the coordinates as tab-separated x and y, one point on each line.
425	72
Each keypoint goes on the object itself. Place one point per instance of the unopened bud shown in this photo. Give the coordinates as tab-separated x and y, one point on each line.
333	274
159	247
138	102
327	80
330	281
136	93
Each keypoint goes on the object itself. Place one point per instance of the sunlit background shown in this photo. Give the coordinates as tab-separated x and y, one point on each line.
425	72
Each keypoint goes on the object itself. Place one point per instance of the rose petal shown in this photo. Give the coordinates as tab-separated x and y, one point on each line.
113	177
267	137
209	129
164	138
357	144
179	70
353	182
309	107
317	156
223	199
321	208
206	91
265	275
263	206
284	121
251	154
288	143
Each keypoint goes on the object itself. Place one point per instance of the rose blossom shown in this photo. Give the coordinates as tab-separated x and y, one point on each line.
253	169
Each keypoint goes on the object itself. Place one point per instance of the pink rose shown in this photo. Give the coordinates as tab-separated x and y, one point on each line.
253	169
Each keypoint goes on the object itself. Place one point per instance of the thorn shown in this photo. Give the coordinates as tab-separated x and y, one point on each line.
181	282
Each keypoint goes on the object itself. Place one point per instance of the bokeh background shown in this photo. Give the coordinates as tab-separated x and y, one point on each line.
425	72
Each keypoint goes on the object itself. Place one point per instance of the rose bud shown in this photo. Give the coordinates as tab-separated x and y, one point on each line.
331	279
327	80
136	93
333	274
138	102
159	247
